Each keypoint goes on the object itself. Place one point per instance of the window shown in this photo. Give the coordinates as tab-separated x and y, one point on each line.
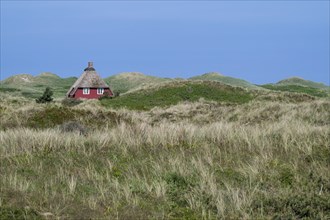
100	91
85	91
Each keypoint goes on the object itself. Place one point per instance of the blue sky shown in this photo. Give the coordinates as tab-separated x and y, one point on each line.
258	41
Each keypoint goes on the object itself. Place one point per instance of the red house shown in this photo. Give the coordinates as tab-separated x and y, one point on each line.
89	85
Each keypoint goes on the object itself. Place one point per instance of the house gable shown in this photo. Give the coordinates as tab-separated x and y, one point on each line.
88	79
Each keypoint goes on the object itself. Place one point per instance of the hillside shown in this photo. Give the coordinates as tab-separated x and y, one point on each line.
171	93
213	76
299	85
298	89
129	80
302	82
33	86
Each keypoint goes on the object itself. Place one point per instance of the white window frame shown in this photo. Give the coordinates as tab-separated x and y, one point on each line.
86	91
100	91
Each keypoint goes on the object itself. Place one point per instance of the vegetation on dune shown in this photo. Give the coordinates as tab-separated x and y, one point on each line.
302	82
124	82
172	93
33	86
213	76
298	88
52	116
193	160
70	102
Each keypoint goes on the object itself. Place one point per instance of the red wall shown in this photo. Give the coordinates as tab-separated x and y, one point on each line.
92	93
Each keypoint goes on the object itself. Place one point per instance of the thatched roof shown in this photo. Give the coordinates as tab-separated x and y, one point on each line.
89	79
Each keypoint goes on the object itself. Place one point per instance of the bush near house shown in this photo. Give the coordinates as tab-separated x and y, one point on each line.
46	97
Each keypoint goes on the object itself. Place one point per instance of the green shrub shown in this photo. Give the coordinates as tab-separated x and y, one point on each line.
46	97
50	117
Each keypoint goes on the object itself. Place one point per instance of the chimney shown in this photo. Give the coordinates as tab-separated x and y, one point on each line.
90	67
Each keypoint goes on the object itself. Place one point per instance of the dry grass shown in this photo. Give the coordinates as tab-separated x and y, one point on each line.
198	160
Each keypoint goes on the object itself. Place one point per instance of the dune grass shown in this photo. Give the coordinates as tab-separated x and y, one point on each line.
193	160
